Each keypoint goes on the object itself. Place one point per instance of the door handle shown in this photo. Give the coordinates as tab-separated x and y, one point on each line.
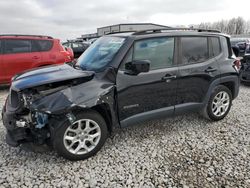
168	77
35	57
210	69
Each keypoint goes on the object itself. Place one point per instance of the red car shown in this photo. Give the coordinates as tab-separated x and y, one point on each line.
19	53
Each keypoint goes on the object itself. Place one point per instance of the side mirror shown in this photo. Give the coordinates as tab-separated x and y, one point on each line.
136	67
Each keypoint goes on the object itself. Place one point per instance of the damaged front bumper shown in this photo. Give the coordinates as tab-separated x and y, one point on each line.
20	129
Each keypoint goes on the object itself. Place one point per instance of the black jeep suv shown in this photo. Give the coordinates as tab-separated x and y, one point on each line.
122	79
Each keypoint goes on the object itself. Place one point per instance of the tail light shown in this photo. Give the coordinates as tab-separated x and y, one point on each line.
237	64
67	54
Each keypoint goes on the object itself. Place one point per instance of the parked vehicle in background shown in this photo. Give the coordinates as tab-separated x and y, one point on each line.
240	46
120	80
91	41
77	47
19	53
245	69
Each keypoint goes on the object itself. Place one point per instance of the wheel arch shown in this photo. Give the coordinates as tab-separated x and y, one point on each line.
103	109
231	86
231	82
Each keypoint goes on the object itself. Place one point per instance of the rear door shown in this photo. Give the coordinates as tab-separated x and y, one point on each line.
19	56
45	49
197	69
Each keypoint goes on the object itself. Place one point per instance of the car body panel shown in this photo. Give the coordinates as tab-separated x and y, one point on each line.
46	75
194	81
145	92
19	62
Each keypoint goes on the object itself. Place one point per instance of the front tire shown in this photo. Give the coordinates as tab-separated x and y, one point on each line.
219	104
81	139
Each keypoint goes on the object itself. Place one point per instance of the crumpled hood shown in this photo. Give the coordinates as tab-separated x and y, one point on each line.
47	75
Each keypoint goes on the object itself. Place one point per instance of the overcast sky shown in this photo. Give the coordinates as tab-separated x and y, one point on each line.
67	19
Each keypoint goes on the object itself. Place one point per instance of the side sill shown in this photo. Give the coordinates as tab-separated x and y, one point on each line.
154	114
188	108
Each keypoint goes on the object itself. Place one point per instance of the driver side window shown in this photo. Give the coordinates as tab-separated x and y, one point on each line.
159	51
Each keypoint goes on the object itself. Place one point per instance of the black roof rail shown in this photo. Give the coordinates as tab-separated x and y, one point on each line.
149	31
20	35
116	32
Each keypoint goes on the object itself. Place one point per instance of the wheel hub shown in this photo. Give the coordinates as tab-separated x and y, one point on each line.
82	136
220	103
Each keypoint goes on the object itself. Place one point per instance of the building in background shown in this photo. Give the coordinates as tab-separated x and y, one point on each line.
122	28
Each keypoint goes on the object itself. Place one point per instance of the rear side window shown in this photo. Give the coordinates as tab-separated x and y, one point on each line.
17	46
194	50
160	51
44	45
216	48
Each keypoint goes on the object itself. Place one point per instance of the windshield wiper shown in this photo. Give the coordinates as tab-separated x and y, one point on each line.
75	66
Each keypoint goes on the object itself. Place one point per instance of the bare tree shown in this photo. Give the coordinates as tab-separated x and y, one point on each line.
247	30
233	26
240	26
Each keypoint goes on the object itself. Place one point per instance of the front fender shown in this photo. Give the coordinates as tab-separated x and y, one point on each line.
86	95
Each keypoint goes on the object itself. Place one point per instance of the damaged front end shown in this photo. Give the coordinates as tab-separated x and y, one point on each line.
22	124
32	114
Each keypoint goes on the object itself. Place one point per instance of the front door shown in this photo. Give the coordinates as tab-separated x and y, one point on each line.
152	92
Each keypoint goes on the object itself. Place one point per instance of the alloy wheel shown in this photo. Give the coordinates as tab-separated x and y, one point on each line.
220	104
82	136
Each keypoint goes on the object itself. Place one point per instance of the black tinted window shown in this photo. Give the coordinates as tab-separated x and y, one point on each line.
17	46
194	49
216	49
160	51
44	45
0	46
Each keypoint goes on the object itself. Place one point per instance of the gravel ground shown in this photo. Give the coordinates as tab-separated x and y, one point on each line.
185	151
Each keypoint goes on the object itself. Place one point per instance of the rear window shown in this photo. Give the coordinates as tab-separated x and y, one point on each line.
17	46
216	48
44	45
194	49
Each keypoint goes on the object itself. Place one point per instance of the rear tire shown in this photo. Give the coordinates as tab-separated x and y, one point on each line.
82	139
219	104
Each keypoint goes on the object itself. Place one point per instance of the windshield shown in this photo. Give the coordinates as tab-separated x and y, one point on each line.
100	53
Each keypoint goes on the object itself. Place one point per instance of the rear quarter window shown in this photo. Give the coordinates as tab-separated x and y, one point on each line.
216	47
44	45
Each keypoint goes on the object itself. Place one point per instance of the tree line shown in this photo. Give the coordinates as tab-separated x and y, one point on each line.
234	26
